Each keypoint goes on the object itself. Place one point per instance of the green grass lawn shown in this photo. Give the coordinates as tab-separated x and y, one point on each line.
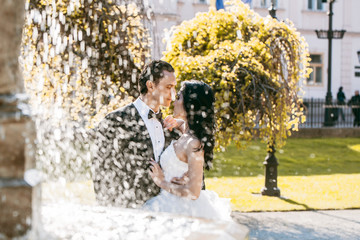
313	174
299	157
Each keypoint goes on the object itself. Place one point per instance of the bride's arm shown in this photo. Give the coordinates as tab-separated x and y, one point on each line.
192	188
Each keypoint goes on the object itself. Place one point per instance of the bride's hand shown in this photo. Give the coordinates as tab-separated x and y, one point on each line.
156	173
170	122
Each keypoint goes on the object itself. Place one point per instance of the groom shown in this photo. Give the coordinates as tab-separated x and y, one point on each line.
129	137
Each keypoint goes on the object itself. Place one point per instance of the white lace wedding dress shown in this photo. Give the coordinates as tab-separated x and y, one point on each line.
208	205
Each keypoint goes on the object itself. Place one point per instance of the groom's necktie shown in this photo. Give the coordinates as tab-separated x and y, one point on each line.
158	115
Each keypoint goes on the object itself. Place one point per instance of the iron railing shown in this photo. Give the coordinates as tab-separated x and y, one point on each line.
341	115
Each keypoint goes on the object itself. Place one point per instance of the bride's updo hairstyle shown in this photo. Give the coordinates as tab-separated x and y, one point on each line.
199	106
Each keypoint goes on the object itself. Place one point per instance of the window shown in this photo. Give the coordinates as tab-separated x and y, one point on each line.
316	65
315	5
267	3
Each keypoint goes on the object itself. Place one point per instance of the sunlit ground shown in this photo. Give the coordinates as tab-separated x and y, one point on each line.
355	147
313	174
338	191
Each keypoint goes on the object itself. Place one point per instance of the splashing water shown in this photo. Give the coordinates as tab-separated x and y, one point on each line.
81	60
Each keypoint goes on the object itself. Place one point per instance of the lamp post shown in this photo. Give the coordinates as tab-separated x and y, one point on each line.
271	163
272	9
329	34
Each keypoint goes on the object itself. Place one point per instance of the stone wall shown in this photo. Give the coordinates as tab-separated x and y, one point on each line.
17	130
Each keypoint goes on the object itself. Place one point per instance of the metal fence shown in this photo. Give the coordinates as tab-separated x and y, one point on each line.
341	115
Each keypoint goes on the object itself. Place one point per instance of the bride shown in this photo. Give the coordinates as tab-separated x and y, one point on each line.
188	156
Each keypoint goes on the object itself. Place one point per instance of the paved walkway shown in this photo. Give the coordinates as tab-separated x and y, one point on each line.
304	225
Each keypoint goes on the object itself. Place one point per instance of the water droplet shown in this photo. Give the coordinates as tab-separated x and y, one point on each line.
66	70
80	34
88	51
238	34
82	46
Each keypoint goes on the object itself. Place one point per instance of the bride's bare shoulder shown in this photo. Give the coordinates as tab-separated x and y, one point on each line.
193	143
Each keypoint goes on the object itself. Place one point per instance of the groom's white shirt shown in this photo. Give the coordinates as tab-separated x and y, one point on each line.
153	126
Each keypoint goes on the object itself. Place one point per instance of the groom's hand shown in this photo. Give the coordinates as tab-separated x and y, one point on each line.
170	123
181	180
156	173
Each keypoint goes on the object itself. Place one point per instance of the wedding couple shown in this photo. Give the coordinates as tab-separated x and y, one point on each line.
144	161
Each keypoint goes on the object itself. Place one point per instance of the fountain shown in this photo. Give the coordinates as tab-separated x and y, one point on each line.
22	214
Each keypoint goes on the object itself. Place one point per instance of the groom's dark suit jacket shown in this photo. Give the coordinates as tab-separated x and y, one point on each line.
123	149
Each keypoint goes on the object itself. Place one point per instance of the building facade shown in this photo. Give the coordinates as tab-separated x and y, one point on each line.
307	16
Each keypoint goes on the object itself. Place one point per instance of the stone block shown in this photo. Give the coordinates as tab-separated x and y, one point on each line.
17	151
15	210
12	14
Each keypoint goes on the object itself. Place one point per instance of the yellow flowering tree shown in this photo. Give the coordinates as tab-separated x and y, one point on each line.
254	65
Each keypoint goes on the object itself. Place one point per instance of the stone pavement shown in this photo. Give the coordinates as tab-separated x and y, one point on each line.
308	225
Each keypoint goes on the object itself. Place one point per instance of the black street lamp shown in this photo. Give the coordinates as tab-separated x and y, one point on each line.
271	163
272	9
329	34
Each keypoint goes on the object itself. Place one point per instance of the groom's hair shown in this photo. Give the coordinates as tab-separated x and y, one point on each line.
153	71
